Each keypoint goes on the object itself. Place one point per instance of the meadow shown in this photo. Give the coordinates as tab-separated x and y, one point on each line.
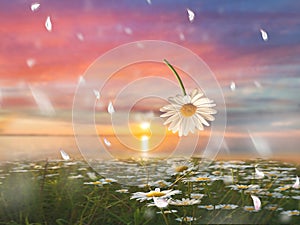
177	191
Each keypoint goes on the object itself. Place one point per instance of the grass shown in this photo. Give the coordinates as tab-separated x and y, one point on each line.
58	192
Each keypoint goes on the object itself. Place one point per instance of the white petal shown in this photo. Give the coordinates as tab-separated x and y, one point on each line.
110	108
264	35
80	36
259	174
160	202
30	62
107	142
202	120
34	6
181	36
169	113
208	117
191	15
48	24
64	155
296	184
196	97
186	99
201	101
256	202
206	110
172	118
232	86
149	2
128	30
198	123
97	94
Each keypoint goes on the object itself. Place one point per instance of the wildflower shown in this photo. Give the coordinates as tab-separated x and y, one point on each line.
122	190
208	207
291	213
259	174
226	206
185	202
188	112
197	196
142	196
250	209
273	207
186	219
108	180
168	211
94	183
79	176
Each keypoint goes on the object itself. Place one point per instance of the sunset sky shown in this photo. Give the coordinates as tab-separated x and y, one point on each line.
37	65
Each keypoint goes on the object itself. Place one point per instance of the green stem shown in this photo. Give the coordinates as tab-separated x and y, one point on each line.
177	76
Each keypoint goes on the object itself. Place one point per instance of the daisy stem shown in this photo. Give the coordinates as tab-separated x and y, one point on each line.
165	217
177	76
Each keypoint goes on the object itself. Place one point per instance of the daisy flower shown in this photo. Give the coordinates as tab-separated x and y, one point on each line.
186	219
142	196
291	213
207	207
226	206
185	202
186	113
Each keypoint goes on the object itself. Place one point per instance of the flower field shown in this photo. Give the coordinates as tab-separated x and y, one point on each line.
178	191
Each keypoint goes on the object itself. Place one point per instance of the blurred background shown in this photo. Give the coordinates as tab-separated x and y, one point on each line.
252	47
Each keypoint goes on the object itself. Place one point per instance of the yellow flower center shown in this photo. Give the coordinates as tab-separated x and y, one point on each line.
188	110
203	179
227	207
294	213
155	194
209	207
181	168
242	186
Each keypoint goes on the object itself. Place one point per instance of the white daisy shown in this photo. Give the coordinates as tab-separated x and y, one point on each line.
184	202
142	196
189	112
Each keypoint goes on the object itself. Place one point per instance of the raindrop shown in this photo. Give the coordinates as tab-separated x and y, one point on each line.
264	35
191	15
34	6
110	108
48	24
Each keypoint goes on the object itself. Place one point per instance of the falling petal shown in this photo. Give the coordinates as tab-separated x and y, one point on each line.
127	30
181	37
149	2
35	6
42	101
80	36
232	86
160	202
106	142
256	202
97	94
191	15
257	84
110	108
48	24
296	184
264	35
81	80
259	174
92	175
261	145
30	62
64	155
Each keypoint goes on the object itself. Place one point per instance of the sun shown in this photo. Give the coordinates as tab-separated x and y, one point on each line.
145	125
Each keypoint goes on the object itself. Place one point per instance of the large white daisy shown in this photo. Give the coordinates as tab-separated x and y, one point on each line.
186	113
